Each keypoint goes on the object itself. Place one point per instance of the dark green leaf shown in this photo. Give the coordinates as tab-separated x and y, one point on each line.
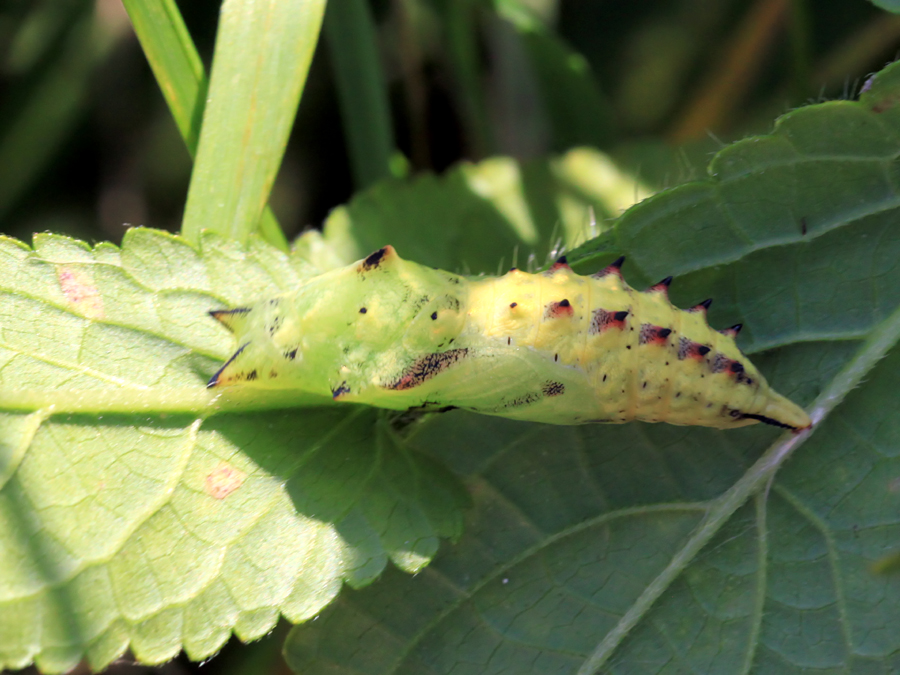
655	549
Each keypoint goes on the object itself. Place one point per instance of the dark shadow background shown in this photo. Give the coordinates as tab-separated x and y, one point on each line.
113	156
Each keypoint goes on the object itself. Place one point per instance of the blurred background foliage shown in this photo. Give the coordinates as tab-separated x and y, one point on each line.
88	146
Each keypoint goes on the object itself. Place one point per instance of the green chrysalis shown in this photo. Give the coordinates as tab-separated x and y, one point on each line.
552	347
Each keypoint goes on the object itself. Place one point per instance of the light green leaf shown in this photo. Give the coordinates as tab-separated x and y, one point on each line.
154	527
249	111
656	549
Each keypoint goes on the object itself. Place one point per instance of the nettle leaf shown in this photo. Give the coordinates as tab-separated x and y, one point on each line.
658	549
128	516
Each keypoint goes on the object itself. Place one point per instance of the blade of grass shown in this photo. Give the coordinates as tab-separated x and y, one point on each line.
179	72
174	61
262	57
350	36
578	112
460	23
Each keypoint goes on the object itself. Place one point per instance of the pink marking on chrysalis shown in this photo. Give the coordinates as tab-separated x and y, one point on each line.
613	268
560	264
603	320
557	310
654	335
688	349
661	287
702	307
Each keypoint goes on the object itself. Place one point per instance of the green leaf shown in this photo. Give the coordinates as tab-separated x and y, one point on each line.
154	527
656	549
249	111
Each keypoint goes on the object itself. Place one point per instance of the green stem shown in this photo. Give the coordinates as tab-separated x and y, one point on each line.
879	342
350	35
461	29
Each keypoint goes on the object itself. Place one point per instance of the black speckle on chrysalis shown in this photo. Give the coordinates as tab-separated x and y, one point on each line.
553	388
427	367
363	310
274	325
434	316
373	261
340	390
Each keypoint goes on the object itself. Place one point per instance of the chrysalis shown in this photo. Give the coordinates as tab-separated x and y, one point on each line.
553	347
